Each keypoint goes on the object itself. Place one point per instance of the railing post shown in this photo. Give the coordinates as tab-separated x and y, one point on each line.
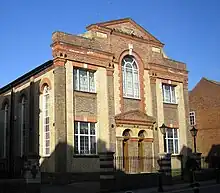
32	174
165	170
107	177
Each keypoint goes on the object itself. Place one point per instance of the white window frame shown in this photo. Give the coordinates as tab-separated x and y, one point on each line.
22	124
173	140
124	78
78	135
45	115
77	84
192	115
172	100
6	109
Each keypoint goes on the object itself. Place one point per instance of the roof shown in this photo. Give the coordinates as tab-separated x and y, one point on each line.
120	21
26	76
212	81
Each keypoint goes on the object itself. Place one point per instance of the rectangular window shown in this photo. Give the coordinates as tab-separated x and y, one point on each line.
169	94
192	118
171	141
84	80
84	138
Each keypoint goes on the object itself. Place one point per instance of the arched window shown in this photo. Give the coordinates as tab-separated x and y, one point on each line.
130	77
46	122
23	126
3	131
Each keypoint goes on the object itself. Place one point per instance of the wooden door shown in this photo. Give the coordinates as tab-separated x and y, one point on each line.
140	156
125	156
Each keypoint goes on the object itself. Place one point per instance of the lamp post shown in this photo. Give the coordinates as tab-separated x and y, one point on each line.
163	129
194	132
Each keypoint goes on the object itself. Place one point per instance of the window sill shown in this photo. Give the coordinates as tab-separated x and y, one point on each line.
132	98
79	92
45	156
170	103
85	156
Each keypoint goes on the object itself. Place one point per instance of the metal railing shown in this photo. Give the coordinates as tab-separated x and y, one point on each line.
136	164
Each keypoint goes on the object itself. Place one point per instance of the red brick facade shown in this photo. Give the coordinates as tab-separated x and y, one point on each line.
204	100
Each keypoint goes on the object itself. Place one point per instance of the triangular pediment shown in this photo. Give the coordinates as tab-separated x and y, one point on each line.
134	117
129	27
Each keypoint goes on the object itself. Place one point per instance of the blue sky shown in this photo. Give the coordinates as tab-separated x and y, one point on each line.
190	30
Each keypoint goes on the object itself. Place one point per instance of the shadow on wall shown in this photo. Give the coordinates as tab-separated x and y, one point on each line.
65	165
22	125
213	157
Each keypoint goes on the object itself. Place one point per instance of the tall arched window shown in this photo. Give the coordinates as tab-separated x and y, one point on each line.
23	126
130	77
4	130
46	122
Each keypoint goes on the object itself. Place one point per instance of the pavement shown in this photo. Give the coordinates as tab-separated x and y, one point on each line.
93	187
205	187
83	187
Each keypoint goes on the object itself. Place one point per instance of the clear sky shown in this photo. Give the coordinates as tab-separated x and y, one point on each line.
190	30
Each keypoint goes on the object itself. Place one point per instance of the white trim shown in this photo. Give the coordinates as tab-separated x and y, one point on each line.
170	100
78	135
173	141
45	116
77	85
192	114
124	78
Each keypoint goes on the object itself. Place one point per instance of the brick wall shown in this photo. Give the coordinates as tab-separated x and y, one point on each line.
205	101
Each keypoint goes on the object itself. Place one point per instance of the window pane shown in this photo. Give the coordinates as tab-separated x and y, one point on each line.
84	145
176	146
83	128
166	91
47	143
169	133
92	128
91	82
47	151
124	81
47	128
76	78
134	65
128	59
175	133
76	144
173	94
170	145
83	80
136	84
93	144
47	135
47	120
129	82
76	127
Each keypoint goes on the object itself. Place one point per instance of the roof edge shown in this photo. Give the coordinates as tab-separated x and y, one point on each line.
26	76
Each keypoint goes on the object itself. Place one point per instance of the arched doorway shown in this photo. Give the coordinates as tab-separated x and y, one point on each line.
141	136
126	134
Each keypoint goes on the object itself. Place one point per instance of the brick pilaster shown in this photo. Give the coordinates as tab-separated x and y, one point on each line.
60	115
111	108
154	106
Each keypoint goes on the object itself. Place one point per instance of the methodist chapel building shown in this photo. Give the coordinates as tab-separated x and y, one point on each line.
109	89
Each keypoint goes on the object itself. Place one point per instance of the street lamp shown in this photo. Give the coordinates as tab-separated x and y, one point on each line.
194	132
163	129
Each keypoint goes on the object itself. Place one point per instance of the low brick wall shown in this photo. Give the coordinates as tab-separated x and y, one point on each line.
134	181
12	186
66	178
